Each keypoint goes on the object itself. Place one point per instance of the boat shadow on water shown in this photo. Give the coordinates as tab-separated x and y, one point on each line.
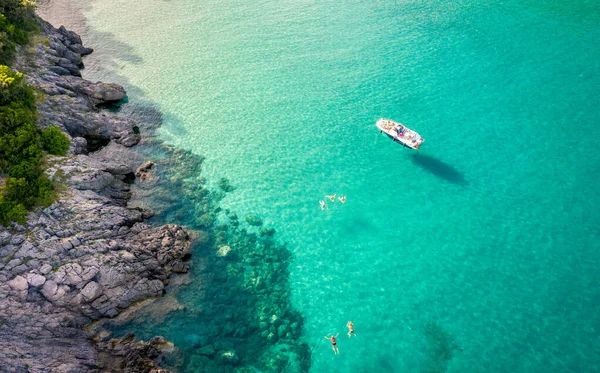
439	168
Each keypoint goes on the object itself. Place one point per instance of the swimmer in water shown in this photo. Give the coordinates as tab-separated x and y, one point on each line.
351	331
323	205
331	198
342	199
334	346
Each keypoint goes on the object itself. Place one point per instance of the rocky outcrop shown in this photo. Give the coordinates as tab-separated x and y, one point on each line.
88	256
68	101
127	354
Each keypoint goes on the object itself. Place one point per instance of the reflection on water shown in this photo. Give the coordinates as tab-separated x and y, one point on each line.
439	168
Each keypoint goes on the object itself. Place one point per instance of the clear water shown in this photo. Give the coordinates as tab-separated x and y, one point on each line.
489	234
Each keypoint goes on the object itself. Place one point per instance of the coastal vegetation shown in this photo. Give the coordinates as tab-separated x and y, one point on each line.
22	143
17	21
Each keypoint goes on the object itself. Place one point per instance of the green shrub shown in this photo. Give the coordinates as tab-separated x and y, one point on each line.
21	142
13	89
16	22
10	211
54	141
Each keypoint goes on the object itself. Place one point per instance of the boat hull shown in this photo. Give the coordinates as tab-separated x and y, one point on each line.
409	138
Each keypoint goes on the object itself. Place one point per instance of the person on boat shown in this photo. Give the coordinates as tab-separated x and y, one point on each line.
342	199
351	331
323	205
331	198
334	346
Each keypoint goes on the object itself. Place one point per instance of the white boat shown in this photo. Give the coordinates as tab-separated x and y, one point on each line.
400	133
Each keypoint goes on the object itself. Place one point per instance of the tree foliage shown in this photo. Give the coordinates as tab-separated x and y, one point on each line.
21	149
16	22
54	141
21	142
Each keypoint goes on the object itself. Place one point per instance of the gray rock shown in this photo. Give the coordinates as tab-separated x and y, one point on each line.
58	47
91	291
80	49
35	280
12	264
103	93
52	291
45	268
17	239
5	238
70	36
59	70
18	283
78	145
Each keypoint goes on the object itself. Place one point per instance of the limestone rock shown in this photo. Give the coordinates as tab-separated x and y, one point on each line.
80	49
35	280
103	93
51	291
18	283
91	291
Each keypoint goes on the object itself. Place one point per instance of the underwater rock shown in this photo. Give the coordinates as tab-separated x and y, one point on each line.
282	331
128	355
254	220
143	172
207	351
228	357
273	361
223	251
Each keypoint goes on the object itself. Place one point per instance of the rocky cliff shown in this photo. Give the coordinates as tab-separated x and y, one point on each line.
88	256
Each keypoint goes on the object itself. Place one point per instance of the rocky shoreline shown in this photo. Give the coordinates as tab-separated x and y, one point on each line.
88	256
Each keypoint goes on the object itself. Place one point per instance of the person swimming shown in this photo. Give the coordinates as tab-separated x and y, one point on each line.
342	199
323	205
331	198
351	331
334	346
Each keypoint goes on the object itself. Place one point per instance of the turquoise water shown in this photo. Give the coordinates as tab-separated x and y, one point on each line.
488	236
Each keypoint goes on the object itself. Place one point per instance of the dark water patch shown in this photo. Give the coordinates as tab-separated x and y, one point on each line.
358	225
439	168
441	348
383	363
236	310
174	126
225	186
114	106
